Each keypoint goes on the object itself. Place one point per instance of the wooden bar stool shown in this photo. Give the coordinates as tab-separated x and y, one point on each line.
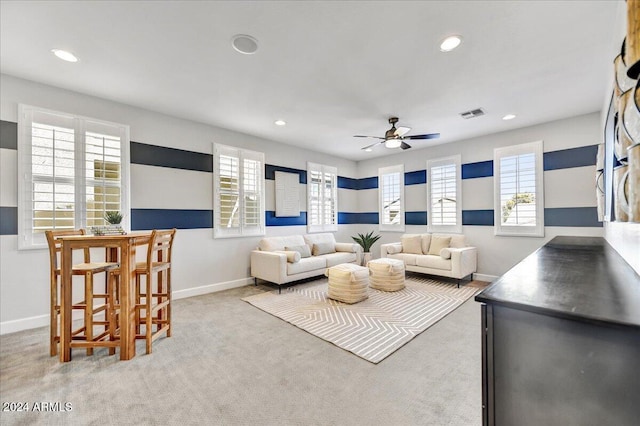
87	269
153	294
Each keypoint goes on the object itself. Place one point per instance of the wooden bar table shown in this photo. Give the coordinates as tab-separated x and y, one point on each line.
126	246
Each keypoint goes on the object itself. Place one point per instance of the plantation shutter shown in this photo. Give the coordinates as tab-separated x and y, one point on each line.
239	192
391	198
443	187
322	198
518	180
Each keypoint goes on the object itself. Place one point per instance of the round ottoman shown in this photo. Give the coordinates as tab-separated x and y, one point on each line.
386	274
348	282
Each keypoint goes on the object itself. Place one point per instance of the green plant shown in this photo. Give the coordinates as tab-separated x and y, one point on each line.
113	218
366	240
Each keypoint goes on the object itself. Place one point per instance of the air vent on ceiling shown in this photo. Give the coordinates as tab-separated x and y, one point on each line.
473	113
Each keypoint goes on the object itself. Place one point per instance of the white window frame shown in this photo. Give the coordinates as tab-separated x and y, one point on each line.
523	231
241	230
399	226
454	160
27	238
321	202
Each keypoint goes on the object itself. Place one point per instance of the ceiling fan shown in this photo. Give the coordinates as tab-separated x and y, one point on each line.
395	137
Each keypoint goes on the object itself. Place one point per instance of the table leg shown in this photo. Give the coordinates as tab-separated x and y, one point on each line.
65	303
127	302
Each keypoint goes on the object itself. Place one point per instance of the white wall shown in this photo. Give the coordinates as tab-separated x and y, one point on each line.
202	263
570	187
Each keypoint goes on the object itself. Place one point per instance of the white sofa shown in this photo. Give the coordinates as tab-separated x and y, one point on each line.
456	260
274	261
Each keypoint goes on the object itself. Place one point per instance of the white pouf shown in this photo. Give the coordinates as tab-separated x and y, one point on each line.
386	274
348	282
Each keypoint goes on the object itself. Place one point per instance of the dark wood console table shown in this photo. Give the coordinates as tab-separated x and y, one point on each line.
561	338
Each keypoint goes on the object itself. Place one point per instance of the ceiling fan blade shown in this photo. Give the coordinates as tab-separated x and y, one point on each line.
400	131
371	146
427	136
363	136
405	145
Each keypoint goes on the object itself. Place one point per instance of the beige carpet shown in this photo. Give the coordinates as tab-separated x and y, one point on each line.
374	328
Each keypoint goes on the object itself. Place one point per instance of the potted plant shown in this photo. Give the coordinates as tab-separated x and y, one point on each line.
113	218
366	241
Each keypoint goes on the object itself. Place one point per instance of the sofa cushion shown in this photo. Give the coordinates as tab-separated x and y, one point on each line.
407	258
302	249
457	241
324	237
394	249
279	243
292	256
426	242
433	262
411	244
306	265
438	242
323	248
339	257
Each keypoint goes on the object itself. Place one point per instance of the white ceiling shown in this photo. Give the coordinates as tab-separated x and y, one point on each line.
330	69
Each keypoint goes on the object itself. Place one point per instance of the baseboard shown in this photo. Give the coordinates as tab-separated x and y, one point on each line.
484	277
12	326
211	288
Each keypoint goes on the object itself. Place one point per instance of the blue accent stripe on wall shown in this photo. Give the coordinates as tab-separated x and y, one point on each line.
477	170
368	183
8	135
153	155
347	183
477	217
145	219
368	218
415	218
272	220
270	172
415	178
572	216
347	218
568	158
8	221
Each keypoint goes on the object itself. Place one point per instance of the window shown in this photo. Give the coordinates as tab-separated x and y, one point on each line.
322	198
74	170
519	199
444	195
239	192
391	198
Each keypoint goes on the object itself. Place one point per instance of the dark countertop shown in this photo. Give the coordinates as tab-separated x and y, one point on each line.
581	278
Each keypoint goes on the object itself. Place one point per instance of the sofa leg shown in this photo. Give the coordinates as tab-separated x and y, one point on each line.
279	289
255	281
458	282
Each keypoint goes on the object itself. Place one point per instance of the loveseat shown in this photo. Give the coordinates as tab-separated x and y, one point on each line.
446	255
281	260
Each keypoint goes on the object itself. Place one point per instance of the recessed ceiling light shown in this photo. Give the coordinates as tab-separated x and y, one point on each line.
244	44
509	117
450	43
280	123
368	150
64	55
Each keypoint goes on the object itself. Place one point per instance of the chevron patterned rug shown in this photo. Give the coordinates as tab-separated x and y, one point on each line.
374	328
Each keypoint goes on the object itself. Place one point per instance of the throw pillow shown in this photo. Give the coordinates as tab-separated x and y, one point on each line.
445	253
438	243
394	249
303	250
323	248
426	242
412	244
292	256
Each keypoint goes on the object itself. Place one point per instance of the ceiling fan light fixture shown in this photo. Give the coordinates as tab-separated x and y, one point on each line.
450	43
393	143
